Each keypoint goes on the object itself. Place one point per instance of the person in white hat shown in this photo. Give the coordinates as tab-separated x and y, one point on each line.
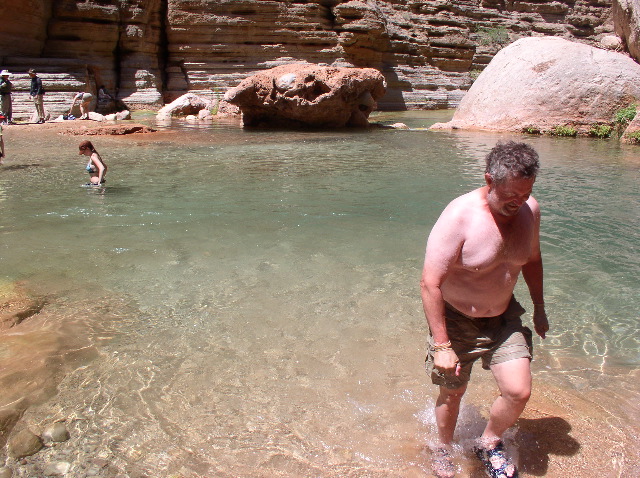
6	86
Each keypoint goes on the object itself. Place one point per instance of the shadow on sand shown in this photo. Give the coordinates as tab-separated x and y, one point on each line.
538	438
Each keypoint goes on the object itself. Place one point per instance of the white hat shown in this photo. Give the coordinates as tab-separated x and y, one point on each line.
4	73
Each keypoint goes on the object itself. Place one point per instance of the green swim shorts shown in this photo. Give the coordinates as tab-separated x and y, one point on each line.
493	339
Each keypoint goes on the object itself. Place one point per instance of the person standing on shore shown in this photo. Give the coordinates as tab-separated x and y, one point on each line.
96	167
1	146
6	86
37	95
476	250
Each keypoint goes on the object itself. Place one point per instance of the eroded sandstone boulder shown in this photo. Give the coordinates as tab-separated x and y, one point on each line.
541	83
308	95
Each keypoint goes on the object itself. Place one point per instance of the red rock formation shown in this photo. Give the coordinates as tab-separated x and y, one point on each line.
308	95
153	51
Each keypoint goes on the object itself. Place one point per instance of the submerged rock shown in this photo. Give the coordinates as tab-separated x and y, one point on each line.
541	83
24	443
57	468
56	432
308	95
17	305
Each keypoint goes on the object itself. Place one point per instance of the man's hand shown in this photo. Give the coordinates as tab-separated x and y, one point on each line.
540	322
446	361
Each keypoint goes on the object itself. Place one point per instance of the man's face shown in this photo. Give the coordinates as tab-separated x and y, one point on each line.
507	197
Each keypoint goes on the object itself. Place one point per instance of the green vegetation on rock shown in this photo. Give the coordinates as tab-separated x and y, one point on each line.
624	116
563	130
600	130
493	35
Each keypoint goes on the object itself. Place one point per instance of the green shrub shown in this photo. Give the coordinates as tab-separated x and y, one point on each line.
600	131
562	130
634	137
532	130
217	96
493	35
624	116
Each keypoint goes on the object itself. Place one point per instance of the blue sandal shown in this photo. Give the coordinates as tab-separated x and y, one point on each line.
496	462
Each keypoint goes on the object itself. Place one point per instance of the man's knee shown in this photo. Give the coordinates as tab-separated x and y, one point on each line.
451	395
520	393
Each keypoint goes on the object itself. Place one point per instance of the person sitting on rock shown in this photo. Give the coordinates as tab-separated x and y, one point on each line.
106	102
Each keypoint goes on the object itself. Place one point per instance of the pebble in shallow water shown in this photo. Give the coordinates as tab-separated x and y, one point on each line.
57	468
56	432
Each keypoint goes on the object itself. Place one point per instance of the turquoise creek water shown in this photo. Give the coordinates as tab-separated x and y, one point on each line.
246	303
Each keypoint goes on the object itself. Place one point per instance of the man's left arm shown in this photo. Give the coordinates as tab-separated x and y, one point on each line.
532	272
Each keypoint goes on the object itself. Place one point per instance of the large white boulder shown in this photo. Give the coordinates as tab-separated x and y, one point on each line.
544	82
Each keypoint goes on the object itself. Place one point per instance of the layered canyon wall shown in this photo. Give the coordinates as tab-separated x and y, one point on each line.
151	51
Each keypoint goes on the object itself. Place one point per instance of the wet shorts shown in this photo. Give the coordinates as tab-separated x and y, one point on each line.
493	339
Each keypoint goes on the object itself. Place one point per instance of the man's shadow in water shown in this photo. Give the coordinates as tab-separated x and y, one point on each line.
536	439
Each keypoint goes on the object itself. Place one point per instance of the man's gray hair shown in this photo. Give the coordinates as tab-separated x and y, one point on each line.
512	159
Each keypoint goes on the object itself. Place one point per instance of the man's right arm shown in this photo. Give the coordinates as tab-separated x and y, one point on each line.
443	248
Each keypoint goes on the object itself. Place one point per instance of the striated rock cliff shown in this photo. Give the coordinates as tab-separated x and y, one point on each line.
152	51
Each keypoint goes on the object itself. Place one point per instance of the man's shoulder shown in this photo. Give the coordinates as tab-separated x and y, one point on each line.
466	203
461	211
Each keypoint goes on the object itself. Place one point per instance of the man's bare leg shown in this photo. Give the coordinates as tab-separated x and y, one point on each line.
514	381
447	410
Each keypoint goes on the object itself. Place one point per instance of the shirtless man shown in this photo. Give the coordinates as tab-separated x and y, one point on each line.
475	253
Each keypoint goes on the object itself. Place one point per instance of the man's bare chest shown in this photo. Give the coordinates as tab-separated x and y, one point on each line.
490	247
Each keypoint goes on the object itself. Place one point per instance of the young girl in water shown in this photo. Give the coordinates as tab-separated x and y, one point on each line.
96	167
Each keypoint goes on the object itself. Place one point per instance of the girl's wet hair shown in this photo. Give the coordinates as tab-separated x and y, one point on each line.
87	145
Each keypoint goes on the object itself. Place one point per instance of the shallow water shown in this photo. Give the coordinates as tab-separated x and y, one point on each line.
246	303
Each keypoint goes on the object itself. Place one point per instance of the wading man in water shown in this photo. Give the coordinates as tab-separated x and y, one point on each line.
475	253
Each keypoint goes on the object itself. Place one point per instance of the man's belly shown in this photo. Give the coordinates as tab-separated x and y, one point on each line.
479	299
